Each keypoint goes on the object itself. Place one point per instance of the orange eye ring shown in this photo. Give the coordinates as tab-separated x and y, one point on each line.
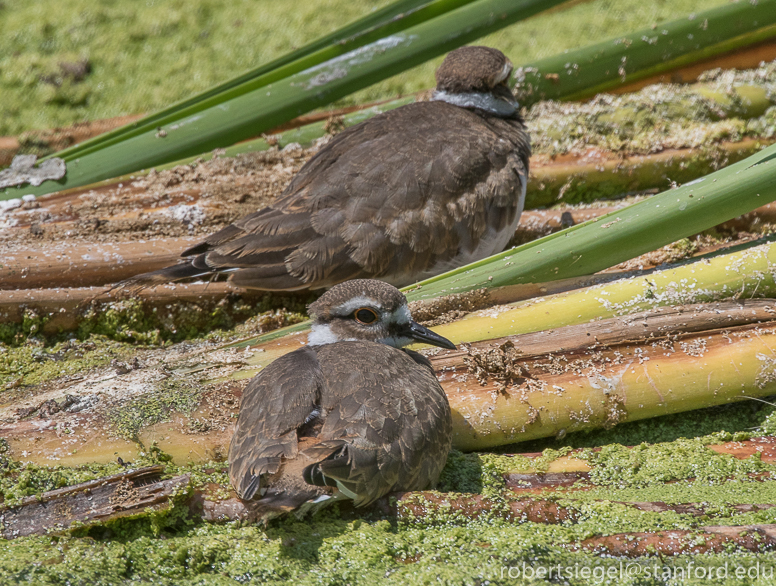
365	316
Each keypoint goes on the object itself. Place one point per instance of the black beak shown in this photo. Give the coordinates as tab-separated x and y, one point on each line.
503	92
420	334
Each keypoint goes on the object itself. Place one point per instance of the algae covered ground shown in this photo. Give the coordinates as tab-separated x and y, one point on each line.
67	61
347	547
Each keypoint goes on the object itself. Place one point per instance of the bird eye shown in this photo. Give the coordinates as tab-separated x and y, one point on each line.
365	316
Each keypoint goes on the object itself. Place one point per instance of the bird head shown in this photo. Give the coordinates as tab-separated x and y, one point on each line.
476	77
365	309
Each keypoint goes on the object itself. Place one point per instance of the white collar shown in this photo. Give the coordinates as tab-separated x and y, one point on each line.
482	100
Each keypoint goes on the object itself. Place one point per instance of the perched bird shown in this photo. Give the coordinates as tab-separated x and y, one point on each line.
403	196
349	415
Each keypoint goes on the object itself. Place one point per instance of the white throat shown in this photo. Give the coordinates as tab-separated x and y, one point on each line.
321	334
481	100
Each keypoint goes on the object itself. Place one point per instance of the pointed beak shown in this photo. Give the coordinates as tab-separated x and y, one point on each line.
418	333
503	92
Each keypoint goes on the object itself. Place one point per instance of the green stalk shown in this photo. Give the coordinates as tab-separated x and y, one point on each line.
596	68
621	235
744	102
261	109
389	20
304	135
722	38
628	382
746	273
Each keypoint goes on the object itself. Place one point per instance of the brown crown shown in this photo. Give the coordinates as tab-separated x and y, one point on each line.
472	69
387	295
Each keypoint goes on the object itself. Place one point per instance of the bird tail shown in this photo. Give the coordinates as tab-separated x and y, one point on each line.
185	270
301	504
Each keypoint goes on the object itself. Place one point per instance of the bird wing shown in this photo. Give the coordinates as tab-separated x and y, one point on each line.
274	405
389	428
393	195
412	187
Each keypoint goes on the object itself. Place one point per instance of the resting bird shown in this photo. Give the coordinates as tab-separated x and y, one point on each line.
349	415
403	196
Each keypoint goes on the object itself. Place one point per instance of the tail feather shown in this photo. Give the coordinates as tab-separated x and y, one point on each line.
339	470
273	505
185	270
224	235
273	277
284	501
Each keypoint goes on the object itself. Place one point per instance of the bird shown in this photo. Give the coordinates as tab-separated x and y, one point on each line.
406	195
350	415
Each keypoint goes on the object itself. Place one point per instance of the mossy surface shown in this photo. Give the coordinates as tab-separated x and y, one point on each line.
335	548
361	547
135	322
170	395
126	58
645	464
333	551
131	320
657	119
31	325
35	362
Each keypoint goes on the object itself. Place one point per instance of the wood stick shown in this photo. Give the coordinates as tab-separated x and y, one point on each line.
104	499
64	309
539	385
711	539
655	323
34	265
86	264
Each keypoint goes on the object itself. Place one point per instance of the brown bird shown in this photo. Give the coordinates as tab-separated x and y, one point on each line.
349	415
403	196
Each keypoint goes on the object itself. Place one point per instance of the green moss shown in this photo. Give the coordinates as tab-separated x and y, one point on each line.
657	117
35	363
131	320
18	480
138	322
462	473
718	494
170	395
123	320
616	465
31	325
329	550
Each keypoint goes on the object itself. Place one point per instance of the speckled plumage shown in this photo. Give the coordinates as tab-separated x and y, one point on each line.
402	196
358	418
